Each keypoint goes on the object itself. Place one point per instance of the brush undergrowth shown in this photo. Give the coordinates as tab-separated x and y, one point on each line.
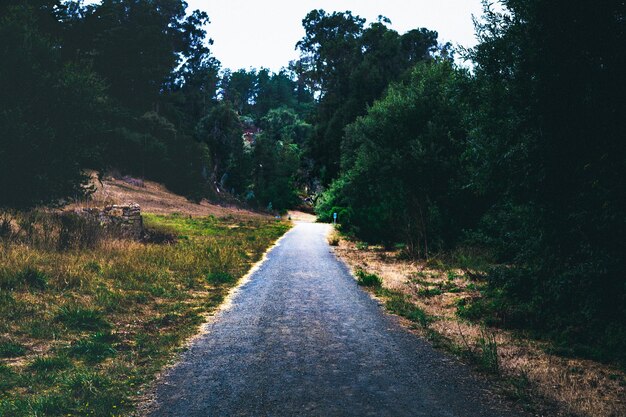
84	326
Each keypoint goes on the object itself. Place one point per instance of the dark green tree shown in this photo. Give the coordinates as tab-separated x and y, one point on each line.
276	159
222	131
349	66
548	151
50	110
404	183
239	88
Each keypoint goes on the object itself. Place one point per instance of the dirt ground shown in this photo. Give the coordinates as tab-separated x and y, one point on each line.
557	385
155	198
299	216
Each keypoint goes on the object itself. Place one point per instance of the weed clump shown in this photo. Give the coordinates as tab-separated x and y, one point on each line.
219	278
368	280
333	238
398	303
488	356
94	349
46	364
79	318
8	379
27	278
9	349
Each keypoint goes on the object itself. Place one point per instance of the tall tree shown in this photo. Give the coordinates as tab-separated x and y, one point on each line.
136	45
221	130
349	66
50	110
276	159
239	88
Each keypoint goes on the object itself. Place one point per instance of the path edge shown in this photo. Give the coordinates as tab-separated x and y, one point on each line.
146	401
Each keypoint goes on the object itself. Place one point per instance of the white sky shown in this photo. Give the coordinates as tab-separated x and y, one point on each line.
263	33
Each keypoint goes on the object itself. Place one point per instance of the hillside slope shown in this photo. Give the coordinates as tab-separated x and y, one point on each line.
155	198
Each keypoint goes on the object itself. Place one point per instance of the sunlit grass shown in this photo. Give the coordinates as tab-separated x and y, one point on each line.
82	330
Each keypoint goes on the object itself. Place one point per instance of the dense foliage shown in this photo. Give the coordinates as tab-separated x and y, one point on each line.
49	108
131	85
548	152
349	66
82	86
523	157
403	176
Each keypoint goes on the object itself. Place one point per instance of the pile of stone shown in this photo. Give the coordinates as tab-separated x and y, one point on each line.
123	219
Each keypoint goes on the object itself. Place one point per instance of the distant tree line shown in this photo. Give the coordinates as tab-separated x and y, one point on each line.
523	157
132	85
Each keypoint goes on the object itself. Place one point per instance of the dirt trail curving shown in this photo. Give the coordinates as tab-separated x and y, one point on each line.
301	339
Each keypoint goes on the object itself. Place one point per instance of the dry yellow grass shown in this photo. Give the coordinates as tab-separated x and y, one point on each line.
157	199
563	386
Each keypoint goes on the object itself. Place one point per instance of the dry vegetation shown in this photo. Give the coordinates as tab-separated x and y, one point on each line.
431	295
155	198
87	322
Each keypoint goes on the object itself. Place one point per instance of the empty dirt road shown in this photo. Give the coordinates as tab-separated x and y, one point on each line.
301	339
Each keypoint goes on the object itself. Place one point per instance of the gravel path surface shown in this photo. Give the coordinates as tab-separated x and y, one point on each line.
301	339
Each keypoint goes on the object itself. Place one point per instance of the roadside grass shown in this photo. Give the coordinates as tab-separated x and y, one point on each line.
368	280
444	300
334	237
400	304
83	329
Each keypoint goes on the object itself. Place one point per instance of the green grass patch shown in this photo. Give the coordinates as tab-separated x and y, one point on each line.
8	379
94	348
80	318
109	319
10	349
401	305
366	279
26	278
429	291
394	301
219	277
45	364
